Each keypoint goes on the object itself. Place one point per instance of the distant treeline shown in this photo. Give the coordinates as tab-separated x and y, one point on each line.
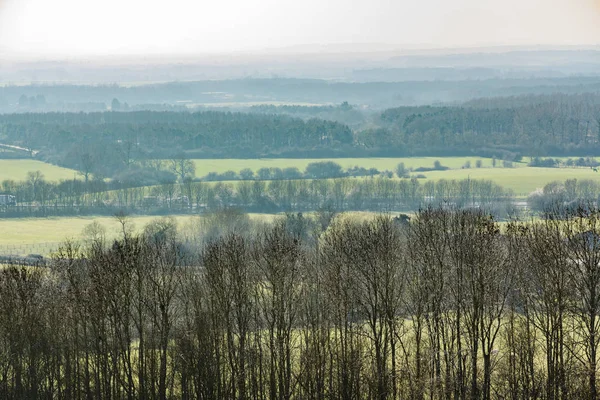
450	304
531	125
380	94
112	141
552	125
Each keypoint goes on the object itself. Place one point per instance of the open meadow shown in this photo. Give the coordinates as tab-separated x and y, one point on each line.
43	235
205	166
17	170
522	181
520	178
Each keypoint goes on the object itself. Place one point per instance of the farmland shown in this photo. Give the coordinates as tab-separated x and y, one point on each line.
54	230
17	170
51	230
205	166
520	178
44	235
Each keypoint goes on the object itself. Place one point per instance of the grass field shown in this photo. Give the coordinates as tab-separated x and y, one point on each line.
17	170
521	180
50	232
44	235
204	166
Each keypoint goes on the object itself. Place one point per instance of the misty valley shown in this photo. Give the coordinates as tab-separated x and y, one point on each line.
342	220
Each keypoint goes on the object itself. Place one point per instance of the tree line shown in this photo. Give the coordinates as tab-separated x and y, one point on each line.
557	124
505	128
381	193
379	94
110	142
536	125
449	305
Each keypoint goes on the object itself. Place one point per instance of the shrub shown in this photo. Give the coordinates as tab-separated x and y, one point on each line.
277	173
212	176
324	169
246	174
264	174
401	170
544	162
437	166
292	173
229	176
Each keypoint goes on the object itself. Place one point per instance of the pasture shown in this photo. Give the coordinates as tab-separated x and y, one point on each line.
521	180
43	235
205	166
17	170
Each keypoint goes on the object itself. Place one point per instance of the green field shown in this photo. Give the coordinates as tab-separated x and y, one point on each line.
50	232
17	170
56	230
204	166
521	180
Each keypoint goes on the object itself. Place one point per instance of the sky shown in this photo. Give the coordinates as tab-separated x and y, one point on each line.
86	28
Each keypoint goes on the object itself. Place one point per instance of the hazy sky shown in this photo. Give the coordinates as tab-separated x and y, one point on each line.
58	28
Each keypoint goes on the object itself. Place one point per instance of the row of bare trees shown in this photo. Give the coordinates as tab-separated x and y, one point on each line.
452	305
380	194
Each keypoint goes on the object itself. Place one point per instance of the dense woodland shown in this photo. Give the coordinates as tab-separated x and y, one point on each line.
118	139
450	305
532	125
506	128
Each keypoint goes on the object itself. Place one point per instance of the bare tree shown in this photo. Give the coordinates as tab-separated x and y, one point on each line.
182	167
230	290
278	256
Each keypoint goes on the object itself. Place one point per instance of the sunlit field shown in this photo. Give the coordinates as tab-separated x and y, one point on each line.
44	230
17	170
19	231
521	180
205	166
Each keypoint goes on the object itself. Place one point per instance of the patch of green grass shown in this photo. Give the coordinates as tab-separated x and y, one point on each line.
521	180
53	231
205	166
17	170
